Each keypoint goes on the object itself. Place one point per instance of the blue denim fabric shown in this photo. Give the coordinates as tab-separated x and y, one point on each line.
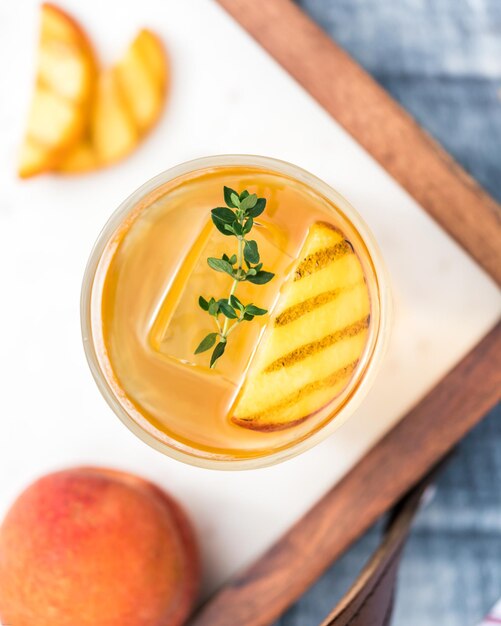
441	59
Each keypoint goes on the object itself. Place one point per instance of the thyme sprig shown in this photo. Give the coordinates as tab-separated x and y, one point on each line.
236	219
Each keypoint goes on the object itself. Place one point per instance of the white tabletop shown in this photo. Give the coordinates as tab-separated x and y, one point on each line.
228	96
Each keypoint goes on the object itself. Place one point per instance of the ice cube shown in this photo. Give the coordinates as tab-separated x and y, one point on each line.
180	324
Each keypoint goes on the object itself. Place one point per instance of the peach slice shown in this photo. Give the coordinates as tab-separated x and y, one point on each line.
128	101
142	75
81	158
65	76
113	131
96	547
315	339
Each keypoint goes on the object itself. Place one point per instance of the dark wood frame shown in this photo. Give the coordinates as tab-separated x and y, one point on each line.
261	593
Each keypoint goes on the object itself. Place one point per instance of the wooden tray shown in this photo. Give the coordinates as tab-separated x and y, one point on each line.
264	590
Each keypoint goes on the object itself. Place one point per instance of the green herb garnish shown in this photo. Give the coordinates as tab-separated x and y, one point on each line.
236	219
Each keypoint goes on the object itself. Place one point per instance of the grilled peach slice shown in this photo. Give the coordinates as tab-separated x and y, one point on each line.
128	101
82	158
315	339
63	89
142	76
113	131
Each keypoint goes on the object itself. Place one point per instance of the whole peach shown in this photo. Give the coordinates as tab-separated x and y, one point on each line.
96	547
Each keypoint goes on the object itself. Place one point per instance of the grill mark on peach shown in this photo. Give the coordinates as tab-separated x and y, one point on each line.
296	311
321	258
306	350
293	398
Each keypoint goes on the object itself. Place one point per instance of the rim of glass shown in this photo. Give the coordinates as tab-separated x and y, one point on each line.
333	421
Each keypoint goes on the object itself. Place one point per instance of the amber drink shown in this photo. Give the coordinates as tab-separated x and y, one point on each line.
292	371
